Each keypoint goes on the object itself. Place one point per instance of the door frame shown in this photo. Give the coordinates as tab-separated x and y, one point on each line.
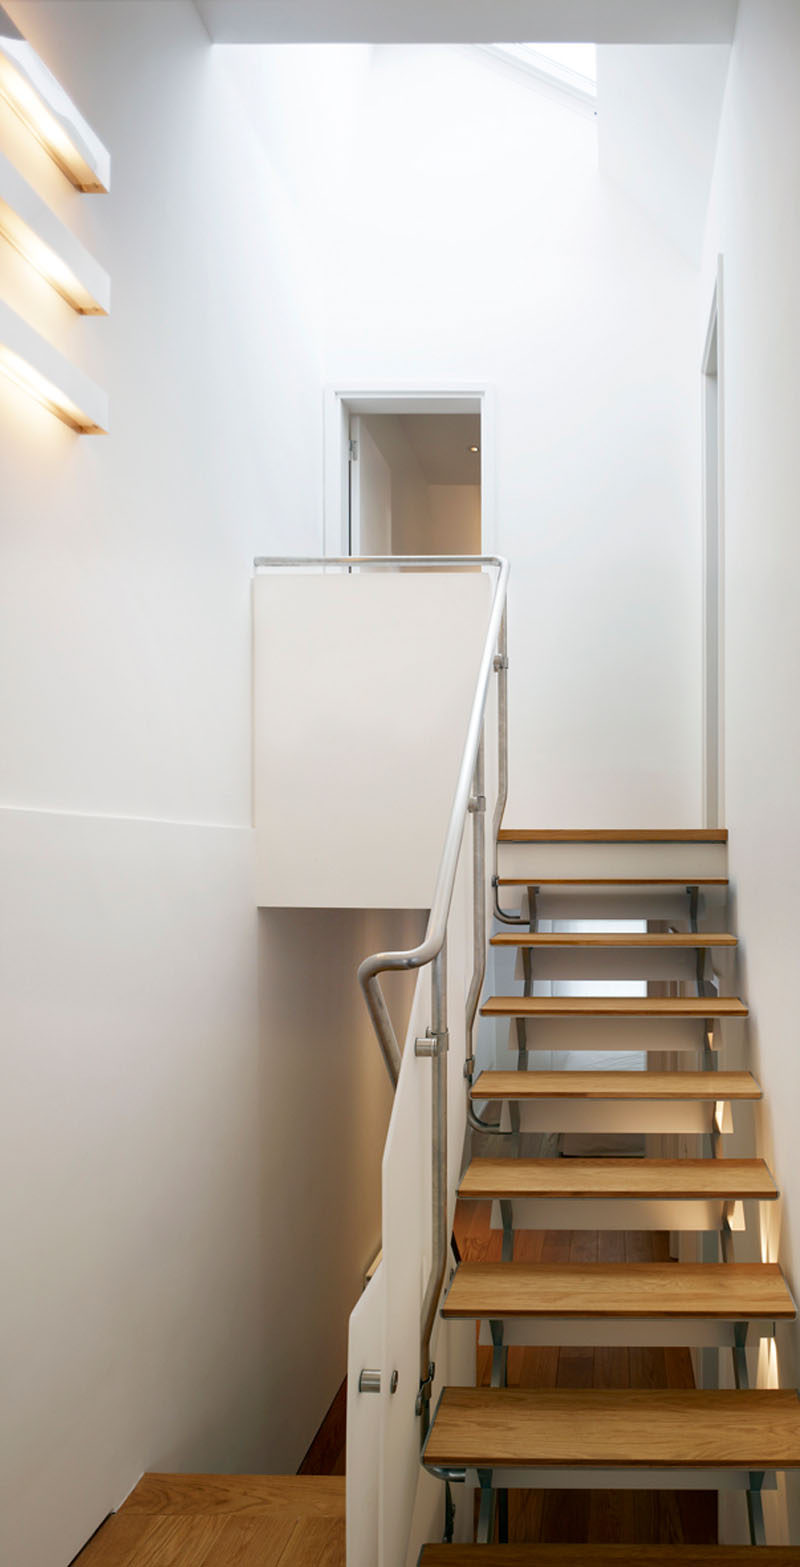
713	427
342	400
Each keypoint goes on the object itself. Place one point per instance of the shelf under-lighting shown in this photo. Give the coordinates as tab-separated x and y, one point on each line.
38	369
41	103
34	230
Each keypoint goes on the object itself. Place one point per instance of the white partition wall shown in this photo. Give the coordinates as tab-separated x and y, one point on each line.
363	686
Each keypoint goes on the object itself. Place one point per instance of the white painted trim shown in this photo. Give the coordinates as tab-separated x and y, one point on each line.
385	398
48	245
34	365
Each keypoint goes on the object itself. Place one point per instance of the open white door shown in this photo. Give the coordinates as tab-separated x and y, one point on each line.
370	494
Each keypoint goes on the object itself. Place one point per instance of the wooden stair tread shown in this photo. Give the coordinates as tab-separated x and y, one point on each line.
720	1290
615	938
620	1427
616	1085
657	1178
609	1556
613	835
614	1006
612	881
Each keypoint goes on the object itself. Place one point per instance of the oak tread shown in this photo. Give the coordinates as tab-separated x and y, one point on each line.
726	1291
654	1178
616	938
609	1556
614	1006
616	1085
613	835
612	881
606	1428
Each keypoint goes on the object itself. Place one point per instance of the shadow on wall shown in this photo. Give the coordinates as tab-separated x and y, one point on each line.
326	1106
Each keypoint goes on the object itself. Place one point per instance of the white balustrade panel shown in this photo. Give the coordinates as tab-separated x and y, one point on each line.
363	685
364	1412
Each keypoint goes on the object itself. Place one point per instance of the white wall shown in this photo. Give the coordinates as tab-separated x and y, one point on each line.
192	1099
755	223
484	248
455	518
411	516
658	118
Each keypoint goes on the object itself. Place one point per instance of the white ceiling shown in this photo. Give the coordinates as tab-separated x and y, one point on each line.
468	21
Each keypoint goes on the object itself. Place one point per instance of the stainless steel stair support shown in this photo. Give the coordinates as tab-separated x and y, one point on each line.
499	1377
755	1504
494	660
484	1532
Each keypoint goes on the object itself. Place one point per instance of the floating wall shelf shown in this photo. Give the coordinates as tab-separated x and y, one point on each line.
29	224
40	370
51	116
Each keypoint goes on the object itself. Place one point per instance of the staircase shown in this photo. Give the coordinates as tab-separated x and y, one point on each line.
727	1436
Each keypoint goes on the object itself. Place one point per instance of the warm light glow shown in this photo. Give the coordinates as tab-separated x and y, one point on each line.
47	263
45	392
18	64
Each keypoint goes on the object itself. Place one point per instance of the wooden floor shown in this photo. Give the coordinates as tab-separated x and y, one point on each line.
298	1521
224	1521
603	1517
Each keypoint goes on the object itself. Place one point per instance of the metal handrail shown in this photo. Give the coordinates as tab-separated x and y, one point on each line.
468	796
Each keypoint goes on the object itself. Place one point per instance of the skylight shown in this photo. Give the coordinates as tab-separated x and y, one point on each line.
571	67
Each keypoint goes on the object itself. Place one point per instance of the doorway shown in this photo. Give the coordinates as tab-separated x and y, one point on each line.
407	473
415	484
713	559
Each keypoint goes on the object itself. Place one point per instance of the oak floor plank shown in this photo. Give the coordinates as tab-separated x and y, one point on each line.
251	1542
175	1542
316	1542
116	1543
